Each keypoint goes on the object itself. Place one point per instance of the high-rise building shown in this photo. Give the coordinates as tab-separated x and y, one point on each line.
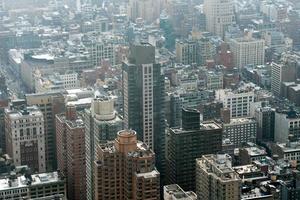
70	149
216	179
185	144
125	169
219	15
33	186
101	125
281	72
50	104
247	51
265	117
144	98
25	137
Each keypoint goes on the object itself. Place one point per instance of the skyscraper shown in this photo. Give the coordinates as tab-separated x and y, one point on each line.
143	96
219	15
102	123
25	137
50	104
70	146
125	169
187	143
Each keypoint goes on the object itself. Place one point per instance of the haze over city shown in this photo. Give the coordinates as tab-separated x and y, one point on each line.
149	99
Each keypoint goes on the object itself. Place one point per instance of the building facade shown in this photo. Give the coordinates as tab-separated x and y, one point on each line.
143	98
186	143
35	186
216	179
25	137
125	169
70	151
219	15
101	125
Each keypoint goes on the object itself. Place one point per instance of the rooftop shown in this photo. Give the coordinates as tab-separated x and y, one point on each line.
21	181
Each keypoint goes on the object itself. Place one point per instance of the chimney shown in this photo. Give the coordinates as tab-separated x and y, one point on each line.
71	112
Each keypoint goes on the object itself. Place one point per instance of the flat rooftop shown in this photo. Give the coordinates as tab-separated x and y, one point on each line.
22	182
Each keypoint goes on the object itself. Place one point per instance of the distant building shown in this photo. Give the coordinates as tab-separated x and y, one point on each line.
35	186
240	130
187	52
132	169
219	15
247	50
210	110
215	177
214	80
238	101
25	137
281	72
55	82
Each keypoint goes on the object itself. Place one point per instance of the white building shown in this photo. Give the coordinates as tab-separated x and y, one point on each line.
148	10
25	137
286	125
240	130
219	15
46	83
237	101
281	72
37	187
247	50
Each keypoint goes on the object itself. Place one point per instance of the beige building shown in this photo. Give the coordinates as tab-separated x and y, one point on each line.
125	169
216	179
247	51
148	10
50	104
219	15
25	137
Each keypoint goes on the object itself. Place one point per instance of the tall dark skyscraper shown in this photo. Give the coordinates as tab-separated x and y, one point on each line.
143	96
187	143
